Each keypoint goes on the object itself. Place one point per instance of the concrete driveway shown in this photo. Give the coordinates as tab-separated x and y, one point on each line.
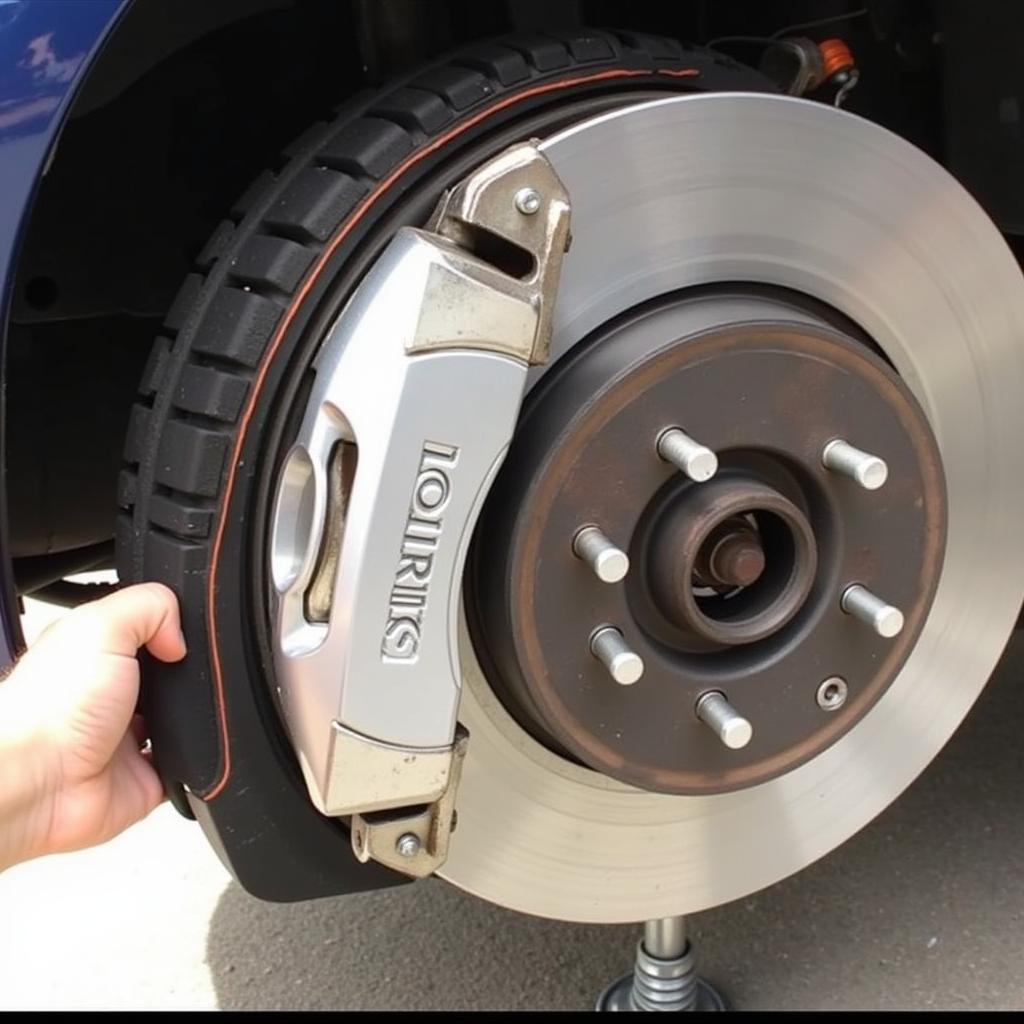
924	908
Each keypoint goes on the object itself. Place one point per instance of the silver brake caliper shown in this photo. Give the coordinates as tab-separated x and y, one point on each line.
416	395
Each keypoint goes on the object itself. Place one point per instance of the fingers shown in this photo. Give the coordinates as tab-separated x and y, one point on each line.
144	615
96	809
139	731
135	774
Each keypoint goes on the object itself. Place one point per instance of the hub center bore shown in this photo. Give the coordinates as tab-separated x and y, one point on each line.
749	552
731	561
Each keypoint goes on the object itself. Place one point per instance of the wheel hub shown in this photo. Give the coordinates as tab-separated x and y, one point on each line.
735	582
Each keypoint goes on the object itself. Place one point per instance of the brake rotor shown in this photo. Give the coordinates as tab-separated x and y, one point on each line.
749	190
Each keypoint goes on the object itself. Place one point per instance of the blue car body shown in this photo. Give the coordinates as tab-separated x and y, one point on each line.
46	49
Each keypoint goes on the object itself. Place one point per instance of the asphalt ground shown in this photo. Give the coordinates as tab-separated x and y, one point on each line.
922	909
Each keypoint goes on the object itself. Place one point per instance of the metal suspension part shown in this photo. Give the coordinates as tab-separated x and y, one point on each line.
664	976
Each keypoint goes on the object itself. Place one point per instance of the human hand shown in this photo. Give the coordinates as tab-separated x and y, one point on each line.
71	771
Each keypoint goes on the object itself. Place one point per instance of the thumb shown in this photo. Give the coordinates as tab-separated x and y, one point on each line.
143	615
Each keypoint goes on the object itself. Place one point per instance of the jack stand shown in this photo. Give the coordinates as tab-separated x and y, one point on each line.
665	974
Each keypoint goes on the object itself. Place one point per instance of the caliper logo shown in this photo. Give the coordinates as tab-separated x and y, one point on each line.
408	601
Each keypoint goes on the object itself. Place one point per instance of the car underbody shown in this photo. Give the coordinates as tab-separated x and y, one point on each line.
588	462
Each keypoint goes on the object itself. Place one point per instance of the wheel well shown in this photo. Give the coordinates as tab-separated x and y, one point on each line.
176	117
185	105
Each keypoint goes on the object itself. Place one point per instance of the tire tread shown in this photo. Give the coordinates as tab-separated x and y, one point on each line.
202	368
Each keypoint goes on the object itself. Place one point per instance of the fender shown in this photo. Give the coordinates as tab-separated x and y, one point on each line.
46	50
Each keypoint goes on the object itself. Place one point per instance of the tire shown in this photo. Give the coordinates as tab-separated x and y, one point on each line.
228	365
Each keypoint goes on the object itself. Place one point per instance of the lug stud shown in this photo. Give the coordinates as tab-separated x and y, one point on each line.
724	720
862	467
609	563
693	459
624	665
883	618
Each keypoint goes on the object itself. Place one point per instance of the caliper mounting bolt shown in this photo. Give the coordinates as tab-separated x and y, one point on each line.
527	201
407	845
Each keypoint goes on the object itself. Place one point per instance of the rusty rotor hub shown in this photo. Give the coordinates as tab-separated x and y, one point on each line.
736	584
730	561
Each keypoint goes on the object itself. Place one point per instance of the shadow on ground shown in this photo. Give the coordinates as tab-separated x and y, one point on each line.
924	908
